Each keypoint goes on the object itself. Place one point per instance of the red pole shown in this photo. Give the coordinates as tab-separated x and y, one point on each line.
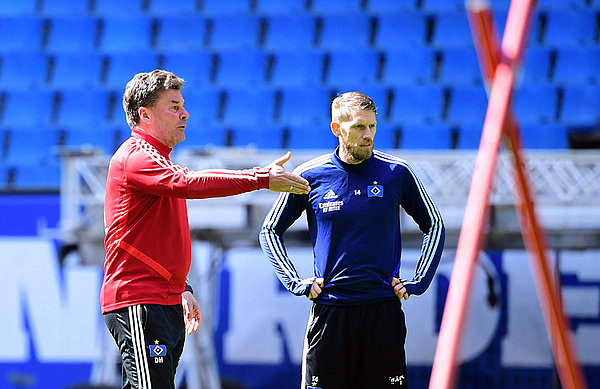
486	42
469	242
565	354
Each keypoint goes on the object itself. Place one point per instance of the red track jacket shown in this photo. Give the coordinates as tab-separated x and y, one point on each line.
148	245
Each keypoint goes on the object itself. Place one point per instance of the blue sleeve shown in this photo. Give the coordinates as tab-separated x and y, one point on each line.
286	210
417	203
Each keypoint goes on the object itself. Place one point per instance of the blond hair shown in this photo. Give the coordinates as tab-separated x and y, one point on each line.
345	104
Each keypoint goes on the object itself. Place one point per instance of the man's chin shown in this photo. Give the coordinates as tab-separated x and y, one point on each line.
360	154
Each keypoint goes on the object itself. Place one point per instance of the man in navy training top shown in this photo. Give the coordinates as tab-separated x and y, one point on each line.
356	330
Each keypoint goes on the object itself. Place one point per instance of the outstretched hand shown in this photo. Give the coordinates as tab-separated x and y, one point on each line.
399	289
280	180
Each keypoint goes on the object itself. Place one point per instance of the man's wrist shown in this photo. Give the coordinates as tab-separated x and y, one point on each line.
262	174
188	288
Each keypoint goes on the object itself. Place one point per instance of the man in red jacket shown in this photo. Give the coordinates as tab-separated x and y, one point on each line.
147	304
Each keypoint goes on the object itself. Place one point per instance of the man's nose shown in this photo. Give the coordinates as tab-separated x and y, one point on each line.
184	113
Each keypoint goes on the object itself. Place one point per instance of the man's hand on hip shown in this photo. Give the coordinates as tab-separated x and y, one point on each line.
399	289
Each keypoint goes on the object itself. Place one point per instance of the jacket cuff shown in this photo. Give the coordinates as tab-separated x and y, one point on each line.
262	174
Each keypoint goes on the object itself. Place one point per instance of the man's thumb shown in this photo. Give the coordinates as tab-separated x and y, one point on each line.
286	157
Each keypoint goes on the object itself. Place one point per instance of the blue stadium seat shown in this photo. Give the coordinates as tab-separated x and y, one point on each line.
386	135
226	7
415	105
290	32
560	4
312	136
334	37
536	65
535	104
123	66
544	136
400	30
172	7
28	108
4	173
383	7
198	138
336	7
469	136
83	107
234	32
37	177
577	65
581	105
443	6
203	105
246	106
305	106
297	68
278	7
126	33
468	105
72	34
269	136
18	8
102	138
426	137
460	66
22	70
20	33
118	7
353	67
452	30
118	118
185	32
64	7
565	28
194	66
241	68
408	66
32	145
77	70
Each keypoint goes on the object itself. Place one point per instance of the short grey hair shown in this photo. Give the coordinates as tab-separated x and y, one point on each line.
143	91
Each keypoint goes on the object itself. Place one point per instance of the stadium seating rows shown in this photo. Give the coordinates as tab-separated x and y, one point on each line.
271	67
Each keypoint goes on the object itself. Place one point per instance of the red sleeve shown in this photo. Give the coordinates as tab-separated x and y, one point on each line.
157	175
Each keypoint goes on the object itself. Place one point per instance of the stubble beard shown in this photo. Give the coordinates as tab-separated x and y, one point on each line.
357	154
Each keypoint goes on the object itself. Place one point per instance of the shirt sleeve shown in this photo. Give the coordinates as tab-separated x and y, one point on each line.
282	215
157	175
417	203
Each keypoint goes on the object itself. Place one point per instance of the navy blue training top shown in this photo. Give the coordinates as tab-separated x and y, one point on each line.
353	214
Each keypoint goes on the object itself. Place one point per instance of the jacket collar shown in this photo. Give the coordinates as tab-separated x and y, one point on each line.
335	158
161	147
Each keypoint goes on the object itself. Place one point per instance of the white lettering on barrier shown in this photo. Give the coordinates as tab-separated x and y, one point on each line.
526	343
583	301
63	316
482	320
258	305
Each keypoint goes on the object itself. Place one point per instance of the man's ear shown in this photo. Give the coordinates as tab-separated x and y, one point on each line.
144	115
335	128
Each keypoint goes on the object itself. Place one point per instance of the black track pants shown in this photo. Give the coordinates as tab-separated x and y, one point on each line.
150	339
